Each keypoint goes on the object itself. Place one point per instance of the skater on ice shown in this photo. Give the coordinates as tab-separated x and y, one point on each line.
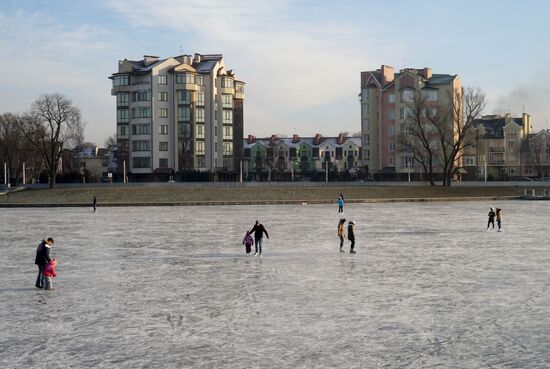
351	236
499	218
340	203
258	231
94	203
491	220
341	233
247	242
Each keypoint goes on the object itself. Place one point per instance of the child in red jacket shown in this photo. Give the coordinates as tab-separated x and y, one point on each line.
49	273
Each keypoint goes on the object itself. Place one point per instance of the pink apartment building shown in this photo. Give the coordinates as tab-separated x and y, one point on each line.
385	96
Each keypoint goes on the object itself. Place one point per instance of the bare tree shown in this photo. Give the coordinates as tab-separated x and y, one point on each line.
455	127
538	151
55	124
415	138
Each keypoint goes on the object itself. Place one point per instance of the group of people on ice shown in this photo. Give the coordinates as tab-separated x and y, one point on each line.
46	266
495	213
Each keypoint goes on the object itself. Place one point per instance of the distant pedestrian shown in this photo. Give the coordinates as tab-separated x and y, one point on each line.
248	242
42	259
258	231
340	204
491	220
351	236
94	203
499	218
49	273
341	233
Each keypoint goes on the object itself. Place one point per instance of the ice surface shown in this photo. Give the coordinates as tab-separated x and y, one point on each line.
169	287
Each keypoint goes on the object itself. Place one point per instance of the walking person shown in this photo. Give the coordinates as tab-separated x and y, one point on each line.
499	218
491	220
247	242
42	259
340	204
341	234
94	203
258	231
351	236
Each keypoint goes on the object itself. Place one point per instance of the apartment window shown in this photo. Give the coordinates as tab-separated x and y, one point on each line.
391	98
199	115
199	147
185	130
163	129
199	131
163	146
429	95
122	99
392	146
121	81
405	113
513	133
391	114
405	128
391	130
141	145
185	78
163	113
200	98
122	115
184	113
239	87
122	131
228	116
199	80
227	133
184	96
407	95
163	80
406	162
141	112
392	162
163	163
227	100
144	95
141	162
200	163
511	144
227	82
228	148
141	129
469	161
163	96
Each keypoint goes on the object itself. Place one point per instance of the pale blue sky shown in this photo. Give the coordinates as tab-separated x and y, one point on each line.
301	59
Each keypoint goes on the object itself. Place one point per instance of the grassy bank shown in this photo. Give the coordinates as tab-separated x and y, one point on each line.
244	195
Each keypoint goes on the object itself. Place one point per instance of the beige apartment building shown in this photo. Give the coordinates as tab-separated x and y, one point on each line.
385	99
496	152
179	113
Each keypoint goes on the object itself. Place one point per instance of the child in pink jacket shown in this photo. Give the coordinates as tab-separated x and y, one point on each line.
49	273
248	241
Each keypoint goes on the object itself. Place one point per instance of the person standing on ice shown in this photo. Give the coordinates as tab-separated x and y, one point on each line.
42	259
351	236
94	203
499	218
340	203
258	231
491	220
247	242
341	233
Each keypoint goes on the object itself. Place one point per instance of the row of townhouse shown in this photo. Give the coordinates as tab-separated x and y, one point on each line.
176	114
505	147
299	157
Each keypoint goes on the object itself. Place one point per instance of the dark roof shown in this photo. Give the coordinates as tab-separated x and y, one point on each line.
494	127
440	79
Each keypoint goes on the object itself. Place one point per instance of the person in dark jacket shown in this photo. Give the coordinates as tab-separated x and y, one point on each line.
42	259
258	231
351	236
491	221
94	203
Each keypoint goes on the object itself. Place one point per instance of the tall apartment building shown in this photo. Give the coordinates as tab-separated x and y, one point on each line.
385	96
179	113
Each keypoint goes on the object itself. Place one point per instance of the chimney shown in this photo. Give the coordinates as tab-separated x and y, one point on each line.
426	73
273	138
340	139
295	138
387	74
317	139
149	59
197	58
526	120
251	139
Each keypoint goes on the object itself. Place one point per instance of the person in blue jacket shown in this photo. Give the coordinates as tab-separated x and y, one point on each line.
340	203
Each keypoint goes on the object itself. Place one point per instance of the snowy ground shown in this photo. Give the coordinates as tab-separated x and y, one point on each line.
169	287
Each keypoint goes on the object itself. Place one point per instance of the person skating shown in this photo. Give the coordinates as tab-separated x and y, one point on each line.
49	273
499	218
491	220
247	242
42	259
351	236
94	203
341	233
340	204
258	231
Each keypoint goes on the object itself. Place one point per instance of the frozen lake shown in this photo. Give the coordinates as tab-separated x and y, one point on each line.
169	287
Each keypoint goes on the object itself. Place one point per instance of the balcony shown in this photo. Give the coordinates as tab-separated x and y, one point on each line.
497	162
496	149
122	88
